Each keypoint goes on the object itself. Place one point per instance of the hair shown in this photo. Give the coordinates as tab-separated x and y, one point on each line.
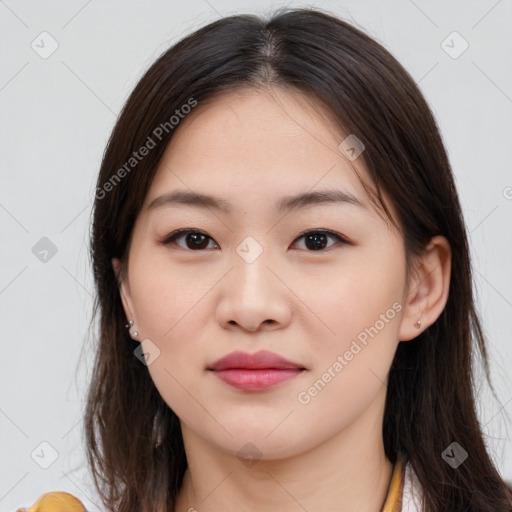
133	438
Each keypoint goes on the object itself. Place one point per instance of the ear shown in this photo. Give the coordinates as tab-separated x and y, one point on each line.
429	286
124	289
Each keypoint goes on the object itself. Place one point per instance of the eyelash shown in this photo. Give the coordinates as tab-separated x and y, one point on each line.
170	239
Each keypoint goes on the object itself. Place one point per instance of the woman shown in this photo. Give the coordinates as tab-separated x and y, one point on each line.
283	285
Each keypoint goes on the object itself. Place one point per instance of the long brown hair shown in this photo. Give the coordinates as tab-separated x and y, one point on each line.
133	438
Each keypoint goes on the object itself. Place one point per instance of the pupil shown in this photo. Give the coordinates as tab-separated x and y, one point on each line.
315	239
197	242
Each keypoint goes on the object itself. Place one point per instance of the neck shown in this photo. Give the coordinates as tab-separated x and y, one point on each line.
348	471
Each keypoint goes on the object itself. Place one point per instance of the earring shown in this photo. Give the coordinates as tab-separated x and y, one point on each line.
133	334
418	324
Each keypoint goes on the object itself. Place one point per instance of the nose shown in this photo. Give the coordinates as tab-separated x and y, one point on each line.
253	297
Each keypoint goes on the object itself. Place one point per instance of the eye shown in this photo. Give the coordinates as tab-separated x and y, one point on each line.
198	240
315	239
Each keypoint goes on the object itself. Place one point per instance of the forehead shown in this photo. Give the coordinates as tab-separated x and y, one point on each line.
254	145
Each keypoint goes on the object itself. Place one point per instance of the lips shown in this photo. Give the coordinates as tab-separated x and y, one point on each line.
255	372
259	361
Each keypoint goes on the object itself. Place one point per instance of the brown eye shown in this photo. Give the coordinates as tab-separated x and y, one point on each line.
194	240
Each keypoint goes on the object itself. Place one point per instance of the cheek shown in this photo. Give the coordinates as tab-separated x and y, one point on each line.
352	357
168	313
170	308
165	298
358	296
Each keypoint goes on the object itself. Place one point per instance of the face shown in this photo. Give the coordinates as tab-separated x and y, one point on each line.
320	283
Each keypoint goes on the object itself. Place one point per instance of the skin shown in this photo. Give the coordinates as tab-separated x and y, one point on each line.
252	148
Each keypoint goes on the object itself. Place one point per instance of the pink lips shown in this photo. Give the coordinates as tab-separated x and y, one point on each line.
255	372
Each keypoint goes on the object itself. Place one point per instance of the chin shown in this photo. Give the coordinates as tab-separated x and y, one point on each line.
265	442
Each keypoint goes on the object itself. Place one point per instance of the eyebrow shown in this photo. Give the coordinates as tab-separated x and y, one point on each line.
284	205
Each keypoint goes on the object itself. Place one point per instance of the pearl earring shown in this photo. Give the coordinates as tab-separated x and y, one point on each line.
133	334
418	324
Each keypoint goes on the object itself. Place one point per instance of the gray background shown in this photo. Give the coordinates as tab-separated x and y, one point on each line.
57	113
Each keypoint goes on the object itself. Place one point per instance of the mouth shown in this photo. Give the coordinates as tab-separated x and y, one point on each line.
255	372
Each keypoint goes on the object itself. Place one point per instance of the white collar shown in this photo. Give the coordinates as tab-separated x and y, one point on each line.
413	492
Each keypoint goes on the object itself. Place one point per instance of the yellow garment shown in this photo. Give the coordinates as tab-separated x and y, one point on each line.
56	501
393	501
